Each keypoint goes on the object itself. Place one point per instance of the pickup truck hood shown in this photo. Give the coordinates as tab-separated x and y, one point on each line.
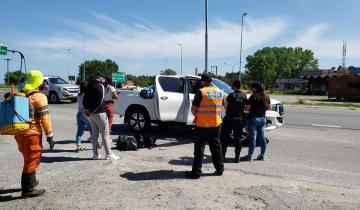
69	86
274	101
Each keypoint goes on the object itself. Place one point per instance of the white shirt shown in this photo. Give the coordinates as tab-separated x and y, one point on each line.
108	94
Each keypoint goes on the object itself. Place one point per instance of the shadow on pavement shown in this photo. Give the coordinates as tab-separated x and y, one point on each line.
9	197
65	142
7	191
154	175
46	159
57	150
188	161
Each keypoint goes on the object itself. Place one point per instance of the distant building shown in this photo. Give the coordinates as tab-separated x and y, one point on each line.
317	80
127	84
292	84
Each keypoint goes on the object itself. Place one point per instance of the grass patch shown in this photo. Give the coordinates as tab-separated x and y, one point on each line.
325	104
300	101
4	86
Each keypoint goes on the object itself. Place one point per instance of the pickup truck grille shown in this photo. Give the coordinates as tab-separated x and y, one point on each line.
73	90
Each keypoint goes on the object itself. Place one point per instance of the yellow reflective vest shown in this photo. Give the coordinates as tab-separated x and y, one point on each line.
209	112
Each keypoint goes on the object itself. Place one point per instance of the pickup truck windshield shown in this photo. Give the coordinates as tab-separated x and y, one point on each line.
222	86
57	81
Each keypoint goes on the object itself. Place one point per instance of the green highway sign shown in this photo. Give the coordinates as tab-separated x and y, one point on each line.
3	49
119	77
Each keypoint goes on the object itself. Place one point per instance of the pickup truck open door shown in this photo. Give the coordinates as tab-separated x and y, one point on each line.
170	98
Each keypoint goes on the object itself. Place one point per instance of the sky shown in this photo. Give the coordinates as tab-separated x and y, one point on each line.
142	36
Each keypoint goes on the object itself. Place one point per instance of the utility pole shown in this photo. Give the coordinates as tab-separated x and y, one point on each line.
215	69
344	54
242	26
7	67
206	36
84	76
180	58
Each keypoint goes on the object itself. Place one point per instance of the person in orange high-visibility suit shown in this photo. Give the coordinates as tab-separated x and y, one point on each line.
30	142
206	108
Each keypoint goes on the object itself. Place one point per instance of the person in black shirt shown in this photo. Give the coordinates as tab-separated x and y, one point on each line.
258	103
233	120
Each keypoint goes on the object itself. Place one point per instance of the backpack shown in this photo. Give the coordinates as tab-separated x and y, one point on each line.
133	143
92	97
126	143
14	115
145	141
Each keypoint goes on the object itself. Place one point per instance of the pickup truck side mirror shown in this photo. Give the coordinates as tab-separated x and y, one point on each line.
144	94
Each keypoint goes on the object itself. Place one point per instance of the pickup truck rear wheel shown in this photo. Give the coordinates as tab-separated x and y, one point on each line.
138	120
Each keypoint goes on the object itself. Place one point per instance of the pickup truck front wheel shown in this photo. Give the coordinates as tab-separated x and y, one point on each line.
138	120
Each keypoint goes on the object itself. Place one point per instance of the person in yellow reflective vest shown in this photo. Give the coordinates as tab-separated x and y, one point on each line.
206	108
30	142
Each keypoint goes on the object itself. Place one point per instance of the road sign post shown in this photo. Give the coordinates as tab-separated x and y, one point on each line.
3	49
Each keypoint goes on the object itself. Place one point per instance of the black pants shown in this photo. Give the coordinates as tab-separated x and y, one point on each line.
212	137
229	125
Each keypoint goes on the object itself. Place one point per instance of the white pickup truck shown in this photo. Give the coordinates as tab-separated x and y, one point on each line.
169	101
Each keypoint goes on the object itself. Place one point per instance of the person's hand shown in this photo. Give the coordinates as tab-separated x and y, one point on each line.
87	114
51	142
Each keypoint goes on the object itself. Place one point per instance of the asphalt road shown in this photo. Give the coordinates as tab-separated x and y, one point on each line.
315	146
320	145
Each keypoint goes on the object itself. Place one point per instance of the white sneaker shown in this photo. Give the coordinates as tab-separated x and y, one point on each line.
96	157
112	157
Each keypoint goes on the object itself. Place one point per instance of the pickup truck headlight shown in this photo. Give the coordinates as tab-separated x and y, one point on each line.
63	89
274	107
278	108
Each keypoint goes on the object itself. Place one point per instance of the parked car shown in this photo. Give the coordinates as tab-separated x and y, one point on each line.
59	89
169	102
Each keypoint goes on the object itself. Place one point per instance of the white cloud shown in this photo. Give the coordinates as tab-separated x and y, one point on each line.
109	37
316	39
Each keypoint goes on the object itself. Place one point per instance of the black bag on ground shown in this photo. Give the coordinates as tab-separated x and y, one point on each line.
145	141
126	143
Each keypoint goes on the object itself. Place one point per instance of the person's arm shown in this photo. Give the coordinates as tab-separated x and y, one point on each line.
248	104
226	102
194	110
196	102
114	95
268	103
42	112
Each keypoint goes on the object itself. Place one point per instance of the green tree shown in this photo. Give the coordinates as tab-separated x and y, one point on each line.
94	66
168	72
144	81
14	77
268	64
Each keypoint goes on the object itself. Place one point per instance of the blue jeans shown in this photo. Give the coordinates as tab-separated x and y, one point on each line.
82	122
256	127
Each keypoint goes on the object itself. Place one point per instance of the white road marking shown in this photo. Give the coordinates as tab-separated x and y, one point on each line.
328	126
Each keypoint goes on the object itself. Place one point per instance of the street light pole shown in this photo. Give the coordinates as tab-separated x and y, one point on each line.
206	36
7	67
232	66
242	26
68	55
165	64
180	58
